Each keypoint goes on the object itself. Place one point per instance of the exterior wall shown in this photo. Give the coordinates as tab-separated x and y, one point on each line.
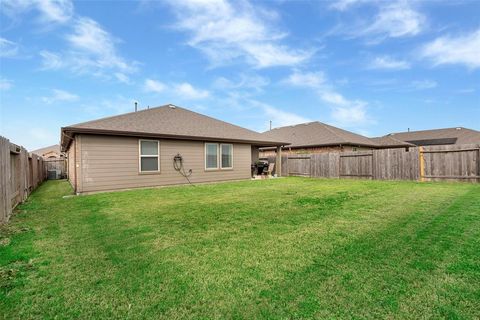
255	154
71	164
110	162
52	155
287	151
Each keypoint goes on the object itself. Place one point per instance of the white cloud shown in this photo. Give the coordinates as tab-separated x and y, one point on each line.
182	90
344	111
389	63
92	50
395	20
50	11
5	84
60	96
151	85
122	77
307	79
466	90
97	45
55	10
423	84
248	81
353	114
463	49
38	137
342	5
187	91
226	32
8	48
50	60
282	118
278	117
102	107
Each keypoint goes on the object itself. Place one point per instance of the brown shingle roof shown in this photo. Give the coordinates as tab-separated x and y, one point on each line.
391	142
55	148
317	134
457	135
169	122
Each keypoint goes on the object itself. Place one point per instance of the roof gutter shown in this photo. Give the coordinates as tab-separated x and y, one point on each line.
333	145
72	131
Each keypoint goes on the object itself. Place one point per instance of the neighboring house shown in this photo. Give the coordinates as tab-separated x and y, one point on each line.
433	137
388	142
317	137
51	152
159	146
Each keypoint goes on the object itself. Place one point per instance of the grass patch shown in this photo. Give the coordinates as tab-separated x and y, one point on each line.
273	249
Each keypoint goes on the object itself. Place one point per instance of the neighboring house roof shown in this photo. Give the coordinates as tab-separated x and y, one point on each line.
171	122
312	134
50	149
457	135
391	142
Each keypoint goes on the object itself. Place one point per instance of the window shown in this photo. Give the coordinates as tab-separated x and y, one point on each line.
149	156
211	156
354	148
227	156
218	156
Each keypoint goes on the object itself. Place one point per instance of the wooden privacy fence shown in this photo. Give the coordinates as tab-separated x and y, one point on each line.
449	162
20	173
56	168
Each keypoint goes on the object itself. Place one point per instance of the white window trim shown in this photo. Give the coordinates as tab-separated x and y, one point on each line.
220	151
140	156
205	156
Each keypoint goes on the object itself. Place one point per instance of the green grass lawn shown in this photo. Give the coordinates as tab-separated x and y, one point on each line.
275	249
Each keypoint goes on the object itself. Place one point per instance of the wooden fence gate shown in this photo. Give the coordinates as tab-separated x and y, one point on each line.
56	168
299	166
440	163
356	165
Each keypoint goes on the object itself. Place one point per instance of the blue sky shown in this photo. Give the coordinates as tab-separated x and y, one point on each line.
372	67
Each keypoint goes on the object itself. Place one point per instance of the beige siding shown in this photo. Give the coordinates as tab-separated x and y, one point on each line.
71	164
109	163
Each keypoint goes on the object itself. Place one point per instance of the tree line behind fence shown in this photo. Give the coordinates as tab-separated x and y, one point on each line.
432	163
20	173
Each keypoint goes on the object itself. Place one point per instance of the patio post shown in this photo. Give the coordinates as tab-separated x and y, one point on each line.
278	162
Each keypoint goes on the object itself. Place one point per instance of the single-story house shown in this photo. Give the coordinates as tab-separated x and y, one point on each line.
389	142
458	135
318	137
159	146
50	152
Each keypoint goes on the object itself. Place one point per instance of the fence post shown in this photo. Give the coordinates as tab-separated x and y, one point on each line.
422	164
478	163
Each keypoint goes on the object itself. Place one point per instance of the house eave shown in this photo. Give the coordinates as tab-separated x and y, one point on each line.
69	132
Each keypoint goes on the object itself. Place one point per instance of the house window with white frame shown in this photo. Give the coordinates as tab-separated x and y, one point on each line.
211	156
149	159
218	156
226	156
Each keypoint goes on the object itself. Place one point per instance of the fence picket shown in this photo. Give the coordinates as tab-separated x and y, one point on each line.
448	162
20	174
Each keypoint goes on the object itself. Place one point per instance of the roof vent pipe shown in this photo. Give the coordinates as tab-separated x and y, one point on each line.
136	106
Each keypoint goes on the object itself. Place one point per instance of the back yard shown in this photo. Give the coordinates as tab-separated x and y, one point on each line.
285	248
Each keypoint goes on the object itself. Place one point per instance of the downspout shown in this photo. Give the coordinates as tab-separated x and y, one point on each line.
75	164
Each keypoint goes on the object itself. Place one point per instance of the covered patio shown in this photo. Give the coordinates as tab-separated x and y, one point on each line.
266	167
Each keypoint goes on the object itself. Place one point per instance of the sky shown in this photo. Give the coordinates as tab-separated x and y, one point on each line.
371	67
